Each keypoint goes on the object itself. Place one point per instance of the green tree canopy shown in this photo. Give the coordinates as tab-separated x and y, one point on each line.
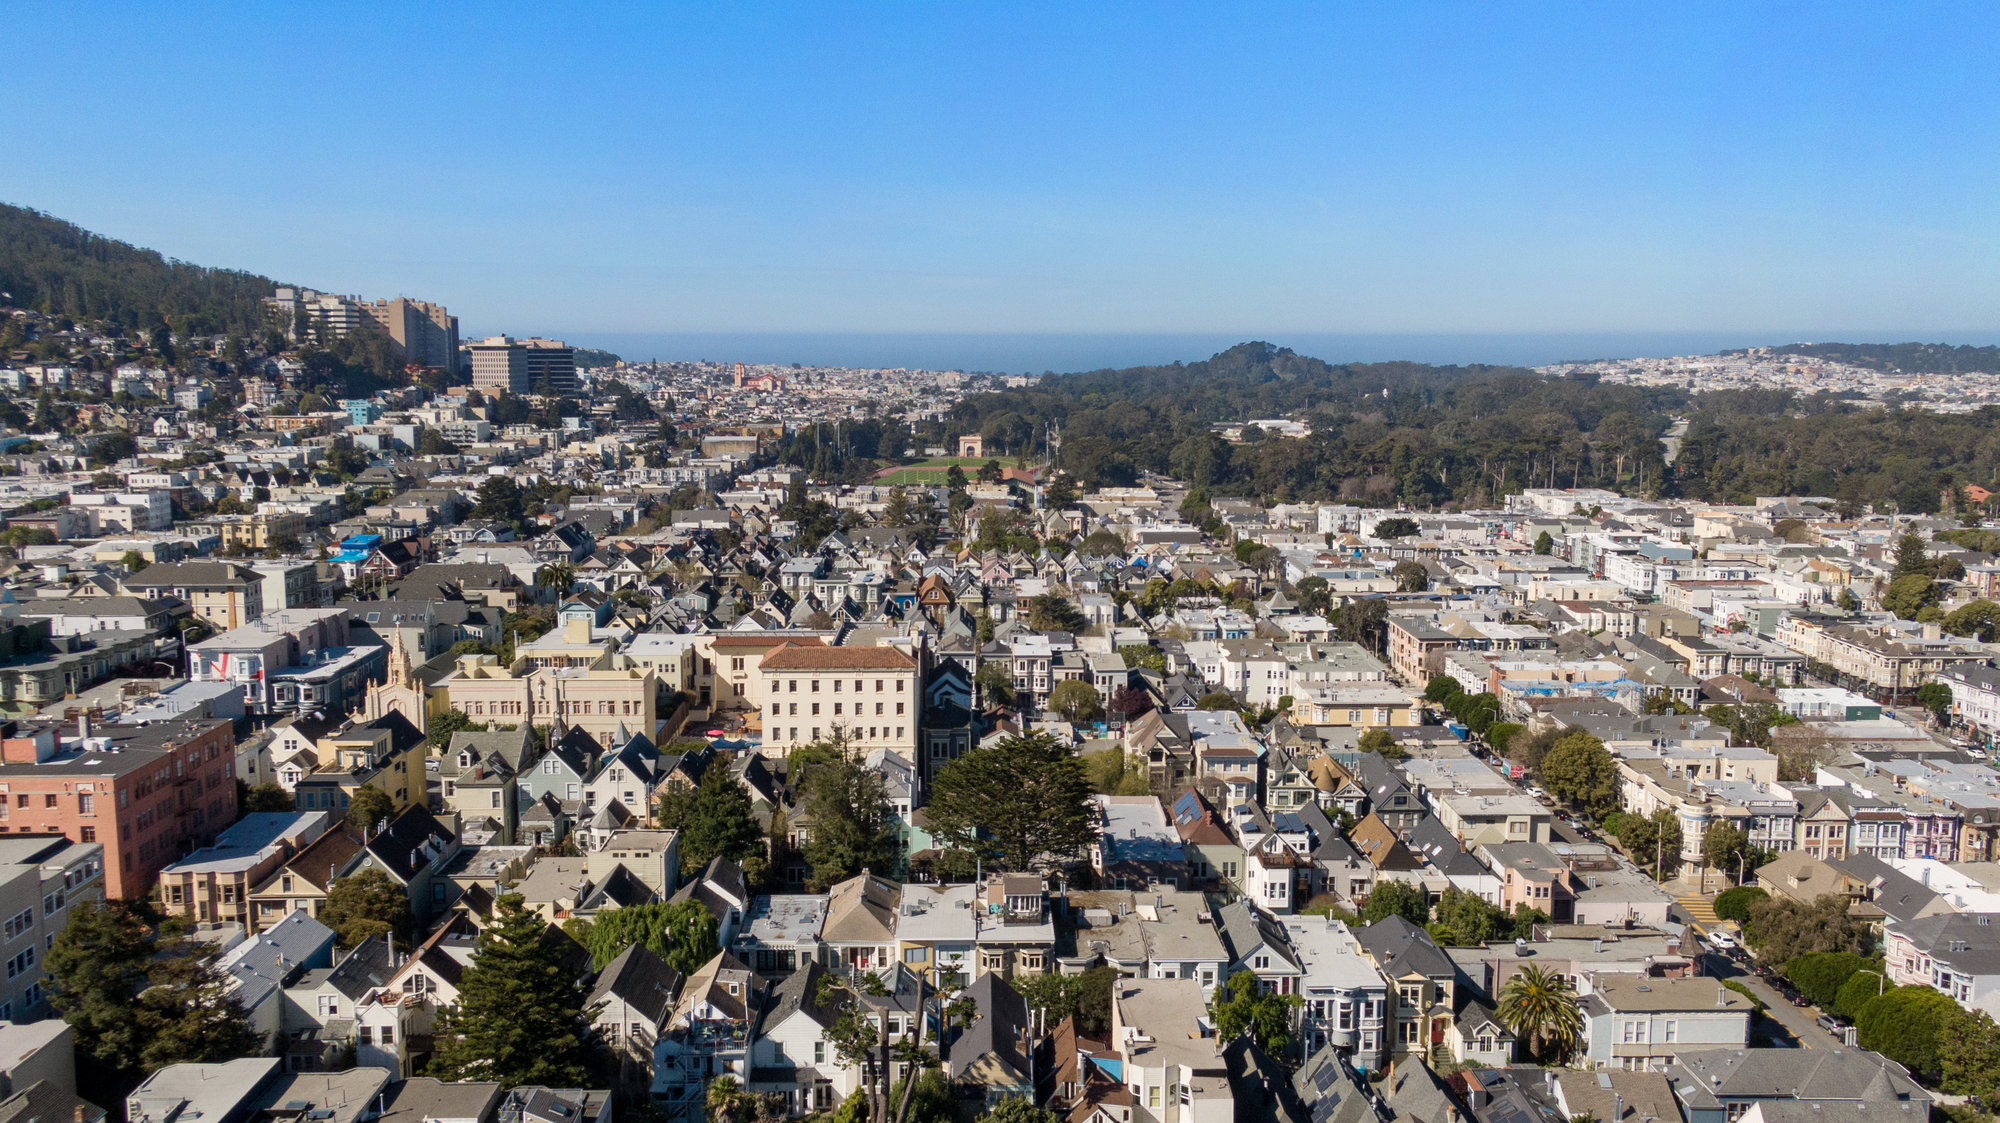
848	807
1394	528
365	904
1025	799
1734	903
1858	991
683	934
1781	929
265	797
1411	577
1379	741
1579	771
520	1016
1053	612
1397	898
715	819
1903	1025
1820	975
1979	619
1467	919
1241	1008
1968	1054
1018	1109
1076	700
1115	772
1936	698
1441	688
368	808
1725	847
1910	594
139	999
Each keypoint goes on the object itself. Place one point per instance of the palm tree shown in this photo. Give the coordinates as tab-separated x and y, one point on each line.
1540	1007
728	1102
558	576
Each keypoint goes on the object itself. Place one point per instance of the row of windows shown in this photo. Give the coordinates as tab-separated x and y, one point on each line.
792	685
574	707
814	712
21	963
875	733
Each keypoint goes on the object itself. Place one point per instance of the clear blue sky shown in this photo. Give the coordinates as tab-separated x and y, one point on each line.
1066	168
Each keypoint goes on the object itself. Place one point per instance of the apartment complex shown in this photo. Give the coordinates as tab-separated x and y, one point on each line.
425	333
147	794
805	692
602	699
519	366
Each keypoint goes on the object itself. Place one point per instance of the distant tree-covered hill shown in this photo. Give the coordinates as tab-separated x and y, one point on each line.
1430	436
1381	432
62	269
1911	358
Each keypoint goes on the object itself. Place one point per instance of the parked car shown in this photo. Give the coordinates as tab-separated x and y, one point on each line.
1722	941
1831	1024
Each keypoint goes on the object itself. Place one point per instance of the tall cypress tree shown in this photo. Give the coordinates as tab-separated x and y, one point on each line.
519	1018
718	821
1025	799
96	969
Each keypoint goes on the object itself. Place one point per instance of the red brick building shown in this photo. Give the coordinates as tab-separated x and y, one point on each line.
148	794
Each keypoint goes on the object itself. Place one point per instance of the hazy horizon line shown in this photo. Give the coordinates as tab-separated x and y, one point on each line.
1070	352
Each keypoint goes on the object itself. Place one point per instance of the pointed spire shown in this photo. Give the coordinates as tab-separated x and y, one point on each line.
399	660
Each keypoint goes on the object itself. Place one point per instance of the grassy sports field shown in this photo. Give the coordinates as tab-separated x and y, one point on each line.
929	472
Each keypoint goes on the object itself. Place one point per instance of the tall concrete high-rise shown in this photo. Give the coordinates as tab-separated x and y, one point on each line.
523	366
426	332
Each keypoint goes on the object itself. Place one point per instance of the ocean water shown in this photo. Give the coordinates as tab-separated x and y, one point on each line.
1031	353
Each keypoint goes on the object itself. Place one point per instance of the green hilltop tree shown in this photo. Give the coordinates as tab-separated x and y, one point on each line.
519	1018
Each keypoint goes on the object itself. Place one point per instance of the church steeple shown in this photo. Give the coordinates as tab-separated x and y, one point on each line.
399	661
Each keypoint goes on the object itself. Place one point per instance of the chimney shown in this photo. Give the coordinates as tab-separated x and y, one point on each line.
83	726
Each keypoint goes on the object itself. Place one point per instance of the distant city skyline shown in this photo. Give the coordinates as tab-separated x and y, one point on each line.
1054	173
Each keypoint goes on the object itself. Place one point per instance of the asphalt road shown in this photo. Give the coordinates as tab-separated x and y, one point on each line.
1800	1027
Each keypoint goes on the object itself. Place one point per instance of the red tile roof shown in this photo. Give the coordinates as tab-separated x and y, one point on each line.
792	657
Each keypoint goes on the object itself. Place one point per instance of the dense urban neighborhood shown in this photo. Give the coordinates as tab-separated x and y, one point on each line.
406	728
